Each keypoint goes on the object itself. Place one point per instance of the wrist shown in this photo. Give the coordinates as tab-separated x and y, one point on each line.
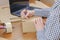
33	12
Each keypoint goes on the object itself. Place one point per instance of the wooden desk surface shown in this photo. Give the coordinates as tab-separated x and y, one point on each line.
17	33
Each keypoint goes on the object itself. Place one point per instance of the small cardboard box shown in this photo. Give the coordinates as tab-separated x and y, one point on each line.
28	25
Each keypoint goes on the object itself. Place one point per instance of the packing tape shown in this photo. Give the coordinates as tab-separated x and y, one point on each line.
8	27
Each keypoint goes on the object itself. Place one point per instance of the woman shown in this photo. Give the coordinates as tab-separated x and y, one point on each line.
51	29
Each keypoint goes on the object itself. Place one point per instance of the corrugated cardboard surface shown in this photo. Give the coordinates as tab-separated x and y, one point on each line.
3	38
28	25
48	2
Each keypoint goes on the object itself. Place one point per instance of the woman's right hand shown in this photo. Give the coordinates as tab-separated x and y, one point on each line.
27	13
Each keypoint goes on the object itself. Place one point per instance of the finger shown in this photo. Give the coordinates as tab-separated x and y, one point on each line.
41	22
24	10
36	22
23	13
27	15
33	12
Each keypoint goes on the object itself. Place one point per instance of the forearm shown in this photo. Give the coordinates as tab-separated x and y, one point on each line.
42	12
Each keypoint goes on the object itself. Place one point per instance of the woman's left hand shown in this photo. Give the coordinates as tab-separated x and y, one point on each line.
38	22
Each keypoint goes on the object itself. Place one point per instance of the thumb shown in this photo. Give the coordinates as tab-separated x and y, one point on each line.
23	13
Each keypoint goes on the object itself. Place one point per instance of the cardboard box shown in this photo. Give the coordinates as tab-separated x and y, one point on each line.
3	38
28	25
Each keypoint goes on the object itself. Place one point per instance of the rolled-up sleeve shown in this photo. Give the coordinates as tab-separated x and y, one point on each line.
42	12
52	26
41	35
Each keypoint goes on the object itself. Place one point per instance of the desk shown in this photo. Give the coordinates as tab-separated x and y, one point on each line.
28	26
15	18
5	14
17	33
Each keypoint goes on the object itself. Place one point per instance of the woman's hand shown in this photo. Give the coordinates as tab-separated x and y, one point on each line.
39	25
23	13
27	13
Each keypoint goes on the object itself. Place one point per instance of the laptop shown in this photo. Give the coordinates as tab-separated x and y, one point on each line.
16	6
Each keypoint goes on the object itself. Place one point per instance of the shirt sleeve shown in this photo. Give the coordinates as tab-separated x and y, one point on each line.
52	26
40	35
42	12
